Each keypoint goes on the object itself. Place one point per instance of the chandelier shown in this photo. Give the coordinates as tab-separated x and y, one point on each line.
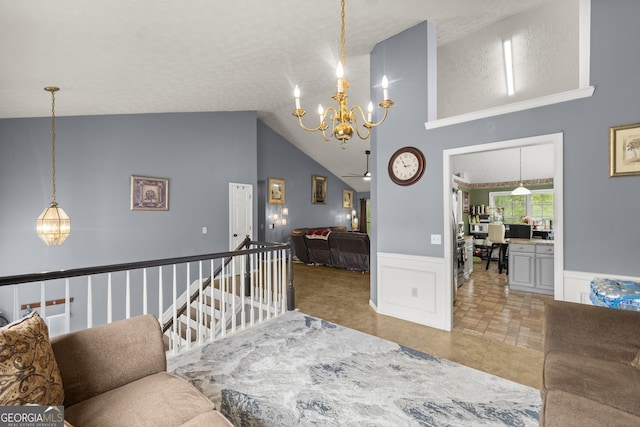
53	225
344	119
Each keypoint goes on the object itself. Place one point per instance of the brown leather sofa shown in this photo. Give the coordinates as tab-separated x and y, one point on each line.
591	373
332	247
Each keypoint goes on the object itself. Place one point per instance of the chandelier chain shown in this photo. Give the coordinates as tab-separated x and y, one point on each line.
343	50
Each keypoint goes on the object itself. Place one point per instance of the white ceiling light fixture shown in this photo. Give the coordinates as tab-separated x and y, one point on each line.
53	225
521	190
508	67
344	119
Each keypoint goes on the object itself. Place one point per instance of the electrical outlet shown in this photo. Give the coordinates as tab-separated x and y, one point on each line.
414	292
436	239
204	230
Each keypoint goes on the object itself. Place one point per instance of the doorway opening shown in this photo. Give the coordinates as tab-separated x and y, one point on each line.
556	142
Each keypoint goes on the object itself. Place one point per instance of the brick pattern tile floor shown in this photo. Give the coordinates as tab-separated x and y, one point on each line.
486	307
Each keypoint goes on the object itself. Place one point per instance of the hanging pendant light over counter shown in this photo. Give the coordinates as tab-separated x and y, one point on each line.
53	225
521	190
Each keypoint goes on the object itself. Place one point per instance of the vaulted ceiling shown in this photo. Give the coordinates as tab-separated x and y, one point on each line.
150	56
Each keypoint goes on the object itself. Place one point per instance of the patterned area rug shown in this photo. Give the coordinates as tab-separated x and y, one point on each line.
298	370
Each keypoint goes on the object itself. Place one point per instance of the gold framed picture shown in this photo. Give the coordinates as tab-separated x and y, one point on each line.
347	199
624	150
276	191
318	190
149	194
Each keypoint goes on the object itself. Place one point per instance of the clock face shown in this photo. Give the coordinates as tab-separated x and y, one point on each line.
406	166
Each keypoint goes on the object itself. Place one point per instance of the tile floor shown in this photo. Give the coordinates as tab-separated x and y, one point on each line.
486	307
342	297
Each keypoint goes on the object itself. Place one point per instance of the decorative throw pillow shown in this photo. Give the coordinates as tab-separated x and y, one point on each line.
636	361
28	369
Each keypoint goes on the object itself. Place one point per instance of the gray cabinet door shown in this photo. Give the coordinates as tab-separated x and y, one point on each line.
544	272
521	269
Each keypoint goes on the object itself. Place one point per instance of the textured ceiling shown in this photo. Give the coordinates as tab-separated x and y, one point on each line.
150	56
504	165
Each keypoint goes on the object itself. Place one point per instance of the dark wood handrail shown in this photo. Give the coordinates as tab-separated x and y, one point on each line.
88	271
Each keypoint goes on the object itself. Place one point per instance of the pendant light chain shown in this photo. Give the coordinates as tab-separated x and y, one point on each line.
53	145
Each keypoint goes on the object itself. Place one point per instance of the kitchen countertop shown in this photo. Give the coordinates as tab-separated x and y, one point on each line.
540	242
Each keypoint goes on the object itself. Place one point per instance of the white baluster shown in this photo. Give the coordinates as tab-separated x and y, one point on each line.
128	295
160	296
67	307
223	300
252	284
175	328
233	294
243	269
212	303
261	267
89	303
144	292
43	301
187	305
109	300
200	302
268	290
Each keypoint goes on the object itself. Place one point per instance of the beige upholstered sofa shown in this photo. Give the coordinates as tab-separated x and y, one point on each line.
591	373
110	375
115	374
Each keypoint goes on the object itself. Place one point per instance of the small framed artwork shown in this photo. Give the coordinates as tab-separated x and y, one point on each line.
276	191
318	189
347	199
465	202
149	194
624	150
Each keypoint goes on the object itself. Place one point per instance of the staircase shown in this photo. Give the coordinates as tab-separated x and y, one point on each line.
215	311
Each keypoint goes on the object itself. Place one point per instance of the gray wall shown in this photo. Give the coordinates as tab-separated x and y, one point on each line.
200	153
278	158
600	212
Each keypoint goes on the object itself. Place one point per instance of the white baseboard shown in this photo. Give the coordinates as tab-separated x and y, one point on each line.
576	284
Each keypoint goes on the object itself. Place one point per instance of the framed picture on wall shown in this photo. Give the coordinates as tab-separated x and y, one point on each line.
149	194
347	199
276	191
318	189
465	202
624	150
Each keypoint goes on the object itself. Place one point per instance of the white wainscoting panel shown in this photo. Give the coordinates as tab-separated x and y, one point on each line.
414	288
576	284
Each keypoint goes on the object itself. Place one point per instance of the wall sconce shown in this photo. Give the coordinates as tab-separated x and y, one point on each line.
282	217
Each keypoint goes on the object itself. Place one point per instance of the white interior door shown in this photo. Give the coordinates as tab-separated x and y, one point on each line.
240	213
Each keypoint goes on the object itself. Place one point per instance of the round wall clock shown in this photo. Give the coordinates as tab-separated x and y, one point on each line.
406	166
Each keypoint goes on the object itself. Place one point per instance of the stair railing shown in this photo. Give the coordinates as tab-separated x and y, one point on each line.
107	293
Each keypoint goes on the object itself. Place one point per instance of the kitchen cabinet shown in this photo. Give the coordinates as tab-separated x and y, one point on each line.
531	268
544	268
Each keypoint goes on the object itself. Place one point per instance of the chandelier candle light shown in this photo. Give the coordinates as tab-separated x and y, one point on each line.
53	225
344	119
